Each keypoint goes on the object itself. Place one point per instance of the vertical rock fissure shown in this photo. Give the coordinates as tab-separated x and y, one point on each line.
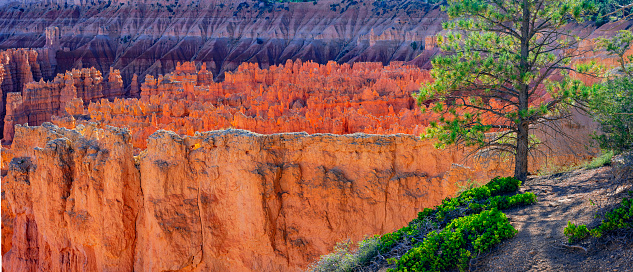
199	207
279	195
270	225
141	207
391	176
201	225
67	165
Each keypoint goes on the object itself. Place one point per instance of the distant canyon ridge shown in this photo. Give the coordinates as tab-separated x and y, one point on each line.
146	37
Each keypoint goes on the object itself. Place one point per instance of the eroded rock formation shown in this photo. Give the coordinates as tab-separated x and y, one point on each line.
224	200
136	38
295	97
38	101
75	200
17	68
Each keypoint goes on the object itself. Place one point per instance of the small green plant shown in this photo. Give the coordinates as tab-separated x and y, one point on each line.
619	218
389	240
575	233
459	227
602	160
343	259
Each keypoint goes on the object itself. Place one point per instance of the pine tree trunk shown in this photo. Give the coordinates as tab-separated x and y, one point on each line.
521	157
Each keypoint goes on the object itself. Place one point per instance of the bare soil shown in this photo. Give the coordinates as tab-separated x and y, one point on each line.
582	197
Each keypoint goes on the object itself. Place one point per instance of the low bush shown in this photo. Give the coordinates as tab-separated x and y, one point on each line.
576	233
447	210
343	259
454	245
602	160
619	218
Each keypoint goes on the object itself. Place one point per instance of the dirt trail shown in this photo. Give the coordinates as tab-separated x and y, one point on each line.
574	196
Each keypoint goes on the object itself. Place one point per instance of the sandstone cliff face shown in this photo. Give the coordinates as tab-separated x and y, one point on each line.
223	200
74	199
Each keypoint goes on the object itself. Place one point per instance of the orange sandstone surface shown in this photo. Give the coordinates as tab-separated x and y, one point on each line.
232	200
295	97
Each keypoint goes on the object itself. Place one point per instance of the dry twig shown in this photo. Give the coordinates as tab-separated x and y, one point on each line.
574	247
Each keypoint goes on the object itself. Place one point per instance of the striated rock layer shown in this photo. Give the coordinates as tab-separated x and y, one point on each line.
75	200
149	37
232	200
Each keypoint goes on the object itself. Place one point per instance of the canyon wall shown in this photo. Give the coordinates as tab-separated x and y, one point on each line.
150	37
79	200
137	38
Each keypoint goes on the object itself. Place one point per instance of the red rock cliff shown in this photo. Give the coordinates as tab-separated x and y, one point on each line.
225	200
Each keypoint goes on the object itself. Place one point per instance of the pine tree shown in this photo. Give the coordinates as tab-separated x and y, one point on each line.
493	80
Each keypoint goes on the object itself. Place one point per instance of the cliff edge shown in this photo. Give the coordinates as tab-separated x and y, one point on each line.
79	200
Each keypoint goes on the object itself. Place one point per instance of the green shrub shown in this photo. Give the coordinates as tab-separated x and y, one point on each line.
507	202
343	260
611	103
602	160
454	245
612	107
389	240
470	201
501	185
449	207
619	218
575	233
